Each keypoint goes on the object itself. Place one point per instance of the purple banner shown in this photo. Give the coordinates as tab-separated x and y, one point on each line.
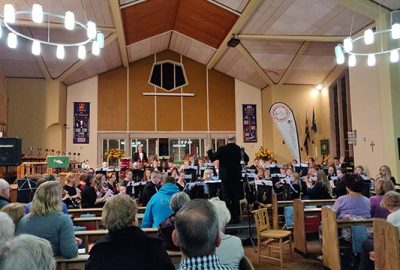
249	123
81	122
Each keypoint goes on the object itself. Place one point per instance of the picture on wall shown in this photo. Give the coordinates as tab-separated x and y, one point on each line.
81	122
249	123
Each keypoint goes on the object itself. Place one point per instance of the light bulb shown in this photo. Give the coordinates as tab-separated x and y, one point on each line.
81	52
339	55
9	13
36	47
368	37
319	87
100	39
371	60
352	60
37	13
91	30
396	31
69	22
348	44
12	40
95	48
60	53
1	30
394	56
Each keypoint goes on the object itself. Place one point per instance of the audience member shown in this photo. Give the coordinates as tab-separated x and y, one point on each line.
197	235
4	193
150	188
45	220
15	210
230	252
27	252
167	226
126	246
7	229
158	207
381	187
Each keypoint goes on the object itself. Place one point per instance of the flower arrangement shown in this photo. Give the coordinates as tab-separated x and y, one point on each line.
264	154
115	154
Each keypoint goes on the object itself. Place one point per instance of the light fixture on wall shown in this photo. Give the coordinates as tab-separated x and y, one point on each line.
369	52
38	16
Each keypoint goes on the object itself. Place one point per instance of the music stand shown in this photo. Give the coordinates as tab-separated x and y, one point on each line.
26	190
214	189
192	170
301	168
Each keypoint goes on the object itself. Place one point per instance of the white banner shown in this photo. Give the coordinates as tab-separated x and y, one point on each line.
286	123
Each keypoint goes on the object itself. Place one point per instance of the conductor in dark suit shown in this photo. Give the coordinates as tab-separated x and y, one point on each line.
230	157
140	155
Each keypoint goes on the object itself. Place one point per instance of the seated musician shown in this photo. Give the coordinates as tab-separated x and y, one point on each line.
146	176
155	165
331	172
216	172
385	173
111	182
71	194
260	174
186	163
174	173
181	182
91	195
200	165
256	165
267	173
171	164
318	187
295	190
150	188
128	177
208	175
338	186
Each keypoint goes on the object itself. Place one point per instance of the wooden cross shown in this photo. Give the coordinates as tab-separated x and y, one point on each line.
372	146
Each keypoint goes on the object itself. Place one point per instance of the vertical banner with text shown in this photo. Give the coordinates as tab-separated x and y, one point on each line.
81	122
249	123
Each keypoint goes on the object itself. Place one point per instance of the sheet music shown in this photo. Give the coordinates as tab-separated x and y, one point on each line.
263	182
278	175
212	181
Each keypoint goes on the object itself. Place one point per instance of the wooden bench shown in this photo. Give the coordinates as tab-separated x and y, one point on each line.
94	235
386	245
330	236
76	263
275	208
96	220
299	227
97	211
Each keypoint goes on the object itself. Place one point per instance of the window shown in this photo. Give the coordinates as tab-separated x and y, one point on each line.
111	144
168	75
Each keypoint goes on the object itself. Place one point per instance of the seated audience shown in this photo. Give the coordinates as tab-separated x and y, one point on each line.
319	188
381	187
166	227
386	173
354	204
158	207
197	235
15	210
45	220
7	229
72	194
150	188
230	252
126	246
4	193
27	252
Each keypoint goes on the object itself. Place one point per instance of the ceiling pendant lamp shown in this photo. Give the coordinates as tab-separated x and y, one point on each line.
95	48
368	37
100	39
339	55
36	50
91	30
12	40
371	60
352	60
69	21
81	52
1	30
348	44
60	53
394	56
9	13
37	13
396	31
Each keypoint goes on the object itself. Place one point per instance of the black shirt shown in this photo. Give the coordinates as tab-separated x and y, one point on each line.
89	197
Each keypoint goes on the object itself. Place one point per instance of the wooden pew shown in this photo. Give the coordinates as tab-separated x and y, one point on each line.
97	211
94	235
275	206
330	236
96	220
299	213
386	245
75	263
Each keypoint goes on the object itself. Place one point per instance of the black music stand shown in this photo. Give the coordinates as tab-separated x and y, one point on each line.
214	189
26	190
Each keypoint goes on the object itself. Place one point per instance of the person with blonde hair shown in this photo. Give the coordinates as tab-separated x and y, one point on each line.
27	252
45	220
386	173
126	246
319	188
71	194
381	187
15	210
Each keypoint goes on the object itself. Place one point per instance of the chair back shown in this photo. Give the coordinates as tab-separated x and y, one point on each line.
261	220
386	245
245	264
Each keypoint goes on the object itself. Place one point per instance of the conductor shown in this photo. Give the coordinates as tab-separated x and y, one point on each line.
230	157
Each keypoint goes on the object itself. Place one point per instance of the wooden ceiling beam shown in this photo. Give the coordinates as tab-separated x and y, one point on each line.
366	8
255	64
311	38
43	67
89	56
289	69
52	25
241	21
116	12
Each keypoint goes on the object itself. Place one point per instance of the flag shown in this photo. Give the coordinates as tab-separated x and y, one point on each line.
307	139
314	123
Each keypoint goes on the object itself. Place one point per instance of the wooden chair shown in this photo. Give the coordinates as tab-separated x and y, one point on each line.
386	245
273	240
245	264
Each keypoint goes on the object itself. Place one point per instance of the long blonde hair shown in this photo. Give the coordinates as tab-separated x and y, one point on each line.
47	199
321	177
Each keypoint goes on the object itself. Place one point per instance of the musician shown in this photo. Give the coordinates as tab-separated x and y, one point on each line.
207	176
257	165
111	182
146	175
171	164
200	164
319	188
386	174
230	172
260	174
140	155
338	186
174	173
128	177
295	189
331	172
71	194
181	182
151	187
155	165
337	163
216	172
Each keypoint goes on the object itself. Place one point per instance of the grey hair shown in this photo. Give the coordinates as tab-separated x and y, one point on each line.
119	212
27	252
224	216
3	186
231	139
7	229
178	200
196	226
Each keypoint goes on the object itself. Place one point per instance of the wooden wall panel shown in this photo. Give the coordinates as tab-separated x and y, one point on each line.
222	101
112	105
195	108
3	104
141	108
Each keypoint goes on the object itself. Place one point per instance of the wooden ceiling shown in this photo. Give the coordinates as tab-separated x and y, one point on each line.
282	41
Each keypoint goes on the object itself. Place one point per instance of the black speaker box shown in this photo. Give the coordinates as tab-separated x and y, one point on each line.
10	151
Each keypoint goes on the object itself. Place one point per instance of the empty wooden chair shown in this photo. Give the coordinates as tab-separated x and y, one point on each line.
273	240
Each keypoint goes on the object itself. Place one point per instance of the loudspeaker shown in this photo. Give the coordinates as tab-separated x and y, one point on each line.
10	151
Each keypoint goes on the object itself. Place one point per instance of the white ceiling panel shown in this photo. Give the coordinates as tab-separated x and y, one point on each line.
148	46
237	5
191	48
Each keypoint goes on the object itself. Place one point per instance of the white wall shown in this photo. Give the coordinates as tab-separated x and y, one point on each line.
84	91
247	94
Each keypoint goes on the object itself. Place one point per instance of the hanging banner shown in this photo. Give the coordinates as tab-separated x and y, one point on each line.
81	122
286	123
249	123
